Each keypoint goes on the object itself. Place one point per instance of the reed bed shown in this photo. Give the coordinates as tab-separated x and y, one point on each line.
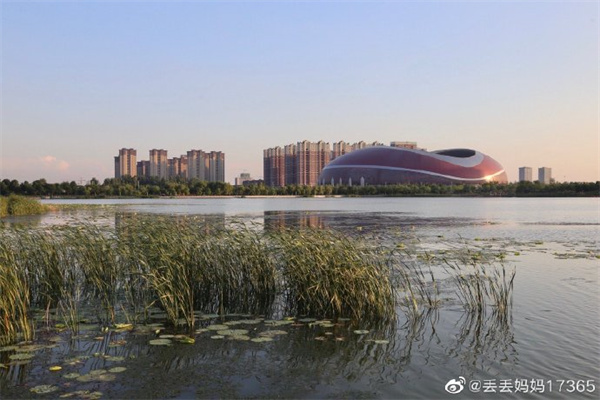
186	267
20	205
331	274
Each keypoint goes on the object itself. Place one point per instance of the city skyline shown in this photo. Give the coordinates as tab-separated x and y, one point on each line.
518	81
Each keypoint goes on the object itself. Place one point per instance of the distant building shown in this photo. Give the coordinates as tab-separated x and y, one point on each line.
405	145
143	169
525	174
177	167
244	177
125	163
274	166
545	175
158	163
206	166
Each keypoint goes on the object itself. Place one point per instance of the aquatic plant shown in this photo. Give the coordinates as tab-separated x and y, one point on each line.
20	205
14	301
330	274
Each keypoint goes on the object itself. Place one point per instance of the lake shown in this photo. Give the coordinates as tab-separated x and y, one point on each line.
549	345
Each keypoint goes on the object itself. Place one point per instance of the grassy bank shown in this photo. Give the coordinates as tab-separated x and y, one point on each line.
20	205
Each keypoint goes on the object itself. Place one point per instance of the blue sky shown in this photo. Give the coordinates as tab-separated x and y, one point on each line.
517	81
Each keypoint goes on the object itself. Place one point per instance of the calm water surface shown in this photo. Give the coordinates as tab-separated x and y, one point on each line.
553	333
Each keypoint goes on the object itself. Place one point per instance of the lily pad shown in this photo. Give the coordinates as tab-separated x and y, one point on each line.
217	337
361	331
186	340
71	375
43	389
262	339
161	342
250	321
202	330
115	358
278	322
217	327
306	320
272	333
8	348
381	341
21	356
97	372
166	336
55	368
232	332
117	370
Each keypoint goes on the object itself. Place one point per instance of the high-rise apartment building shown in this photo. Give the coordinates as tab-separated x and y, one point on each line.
158	163
545	175
216	166
525	174
143	169
206	166
311	159
177	167
125	163
274	166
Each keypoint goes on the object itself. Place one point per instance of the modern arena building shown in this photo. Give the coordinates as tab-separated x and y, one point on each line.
382	165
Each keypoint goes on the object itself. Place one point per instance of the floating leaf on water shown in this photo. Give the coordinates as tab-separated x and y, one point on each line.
55	368
160	342
272	333
261	339
43	389
307	320
166	336
320	338
106	377
361	332
232	323
78	393
85	378
116	370
329	333
94	395
340	339
21	356
327	325
232	332
217	327
210	316
30	348
99	338
344	319
277	322
114	358
202	330
98	372
217	337
124	326
8	348
71	375
60	326
55	339
381	341
250	321
186	340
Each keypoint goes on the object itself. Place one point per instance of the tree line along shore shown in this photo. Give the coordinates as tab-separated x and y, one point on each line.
154	187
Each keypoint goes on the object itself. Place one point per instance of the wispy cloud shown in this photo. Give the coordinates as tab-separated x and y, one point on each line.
54	163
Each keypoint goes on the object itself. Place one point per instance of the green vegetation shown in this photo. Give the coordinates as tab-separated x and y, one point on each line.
187	268
148	187
19	205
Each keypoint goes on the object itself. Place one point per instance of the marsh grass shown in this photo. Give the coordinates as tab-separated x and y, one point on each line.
331	274
186	266
20	205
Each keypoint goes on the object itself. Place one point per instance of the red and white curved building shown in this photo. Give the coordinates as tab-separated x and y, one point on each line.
383	165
